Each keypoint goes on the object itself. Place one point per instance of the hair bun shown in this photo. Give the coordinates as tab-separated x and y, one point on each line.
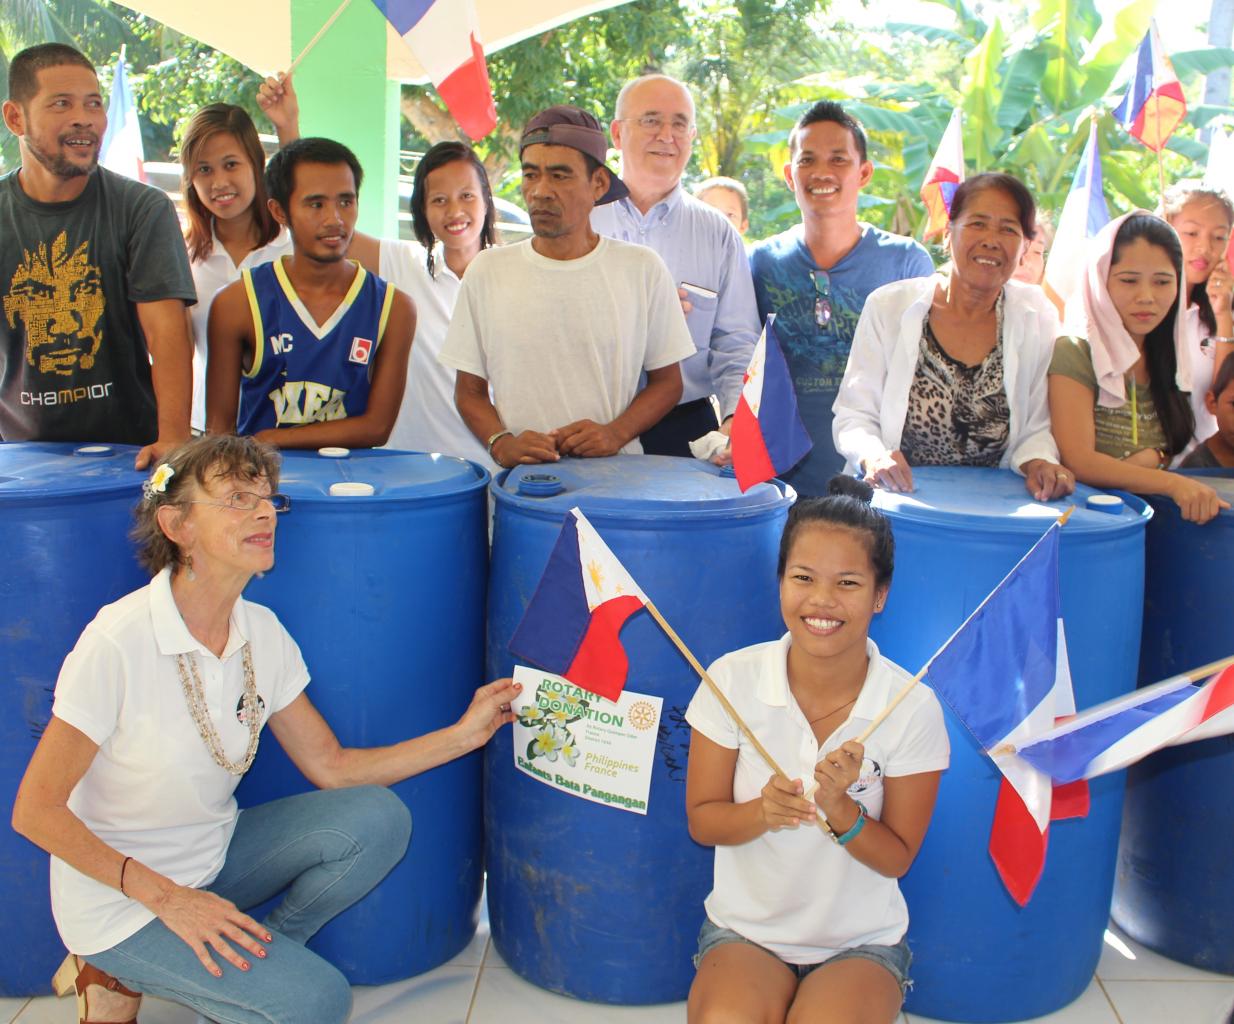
850	487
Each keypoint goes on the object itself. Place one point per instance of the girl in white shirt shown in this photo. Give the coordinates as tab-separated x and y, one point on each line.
806	921
1203	218
230	227
454	220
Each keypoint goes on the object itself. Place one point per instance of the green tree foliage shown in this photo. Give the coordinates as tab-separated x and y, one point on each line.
172	74
1027	91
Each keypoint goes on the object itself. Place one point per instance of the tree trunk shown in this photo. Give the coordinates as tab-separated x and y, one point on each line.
436	125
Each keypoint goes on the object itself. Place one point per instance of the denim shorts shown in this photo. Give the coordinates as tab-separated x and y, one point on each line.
896	959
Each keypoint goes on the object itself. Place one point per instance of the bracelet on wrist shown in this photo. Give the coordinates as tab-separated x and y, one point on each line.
855	828
494	439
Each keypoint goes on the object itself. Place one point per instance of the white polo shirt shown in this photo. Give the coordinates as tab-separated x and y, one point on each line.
428	420
795	892
210	276
153	791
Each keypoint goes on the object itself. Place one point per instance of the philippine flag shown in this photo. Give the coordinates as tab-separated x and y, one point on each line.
444	37
768	437
1004	673
1122	731
121	150
1153	105
1084	214
944	176
573	621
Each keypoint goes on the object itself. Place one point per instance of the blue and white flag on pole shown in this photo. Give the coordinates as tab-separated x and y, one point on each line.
121	150
1084	214
1005	675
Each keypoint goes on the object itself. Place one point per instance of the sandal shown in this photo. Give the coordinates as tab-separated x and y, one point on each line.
115	1003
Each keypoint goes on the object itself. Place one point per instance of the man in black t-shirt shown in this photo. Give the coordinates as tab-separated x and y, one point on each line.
94	276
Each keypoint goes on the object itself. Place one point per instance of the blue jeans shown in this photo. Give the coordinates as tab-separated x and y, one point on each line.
327	849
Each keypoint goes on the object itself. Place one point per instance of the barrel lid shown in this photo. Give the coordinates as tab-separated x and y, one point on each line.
364	476
42	469
996	499
634	486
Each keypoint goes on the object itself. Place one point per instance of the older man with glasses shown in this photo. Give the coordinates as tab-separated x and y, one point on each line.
816	276
654	129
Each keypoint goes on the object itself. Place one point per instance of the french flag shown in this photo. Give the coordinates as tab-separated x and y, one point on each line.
121	149
944	176
443	35
572	624
1004	673
767	437
1122	731
1153	105
1084	214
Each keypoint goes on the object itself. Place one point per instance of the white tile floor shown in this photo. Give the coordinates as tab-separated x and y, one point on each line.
1132	986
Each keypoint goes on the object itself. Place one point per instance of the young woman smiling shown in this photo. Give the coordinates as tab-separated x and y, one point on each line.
230	227
800	926
1203	218
1117	411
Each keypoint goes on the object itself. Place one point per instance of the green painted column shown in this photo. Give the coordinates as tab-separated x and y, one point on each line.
344	95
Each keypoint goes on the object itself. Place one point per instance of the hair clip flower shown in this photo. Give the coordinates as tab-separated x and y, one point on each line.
157	484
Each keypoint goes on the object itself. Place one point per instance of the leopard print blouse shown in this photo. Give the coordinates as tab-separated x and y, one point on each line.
957	414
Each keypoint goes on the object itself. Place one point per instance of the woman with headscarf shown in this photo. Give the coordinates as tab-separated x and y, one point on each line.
1118	384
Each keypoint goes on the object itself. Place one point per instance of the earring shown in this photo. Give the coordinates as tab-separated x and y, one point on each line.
188	568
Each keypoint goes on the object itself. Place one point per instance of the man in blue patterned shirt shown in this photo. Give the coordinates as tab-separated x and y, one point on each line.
816	276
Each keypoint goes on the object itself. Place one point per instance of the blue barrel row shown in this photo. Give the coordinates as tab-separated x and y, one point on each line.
385	595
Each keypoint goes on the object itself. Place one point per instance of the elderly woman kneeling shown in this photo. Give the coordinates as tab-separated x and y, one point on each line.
158	711
951	370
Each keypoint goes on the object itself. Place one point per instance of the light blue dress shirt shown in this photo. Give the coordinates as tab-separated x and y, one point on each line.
701	248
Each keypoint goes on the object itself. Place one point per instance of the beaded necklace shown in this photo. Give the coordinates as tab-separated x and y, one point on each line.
195	697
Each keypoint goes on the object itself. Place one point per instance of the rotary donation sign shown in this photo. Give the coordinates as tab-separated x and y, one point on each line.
575	741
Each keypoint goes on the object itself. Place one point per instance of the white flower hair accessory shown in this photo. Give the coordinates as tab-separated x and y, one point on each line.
157	484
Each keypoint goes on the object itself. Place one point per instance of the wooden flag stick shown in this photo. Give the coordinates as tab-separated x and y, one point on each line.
1160	147
728	707
881	717
320	32
1194	676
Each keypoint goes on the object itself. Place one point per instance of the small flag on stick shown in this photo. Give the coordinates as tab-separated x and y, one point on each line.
944	176
1084	214
1153	105
572	624
121	150
443	35
1125	730
768	437
1004	673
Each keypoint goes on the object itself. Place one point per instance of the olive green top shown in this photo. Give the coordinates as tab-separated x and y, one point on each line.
1073	357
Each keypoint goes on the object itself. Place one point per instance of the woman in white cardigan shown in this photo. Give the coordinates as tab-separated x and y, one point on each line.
951	369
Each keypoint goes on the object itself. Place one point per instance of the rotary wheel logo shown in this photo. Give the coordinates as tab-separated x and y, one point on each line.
642	715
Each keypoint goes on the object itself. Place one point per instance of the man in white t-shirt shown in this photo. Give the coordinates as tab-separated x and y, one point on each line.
561	326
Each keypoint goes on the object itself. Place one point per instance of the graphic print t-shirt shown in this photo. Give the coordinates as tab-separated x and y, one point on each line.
790	284
73	359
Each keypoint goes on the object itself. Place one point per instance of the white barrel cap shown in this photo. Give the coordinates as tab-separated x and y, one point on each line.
1104	503
351	489
334	453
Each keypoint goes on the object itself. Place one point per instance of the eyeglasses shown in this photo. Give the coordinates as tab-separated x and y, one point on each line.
247	501
822	297
653	124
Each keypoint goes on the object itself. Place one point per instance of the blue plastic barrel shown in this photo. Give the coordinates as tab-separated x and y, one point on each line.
585	899
1175	886
977	955
65	514
384	593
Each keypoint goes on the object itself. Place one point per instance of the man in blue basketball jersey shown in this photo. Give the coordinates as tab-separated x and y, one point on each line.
310	350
